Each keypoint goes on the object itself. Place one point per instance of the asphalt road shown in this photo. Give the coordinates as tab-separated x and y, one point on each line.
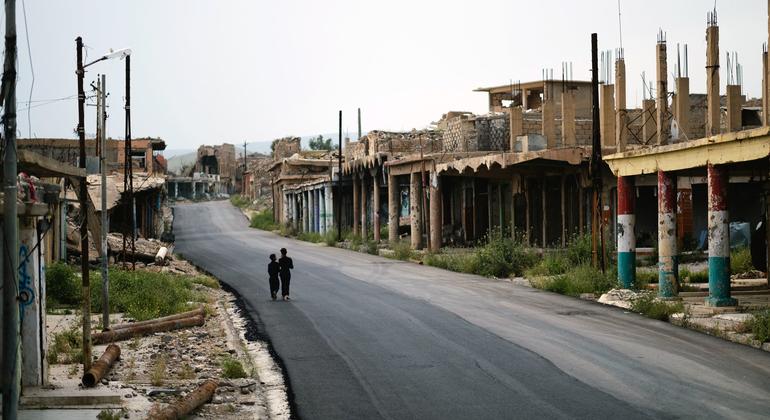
368	337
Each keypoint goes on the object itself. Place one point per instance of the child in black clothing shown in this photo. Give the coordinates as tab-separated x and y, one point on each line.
272	270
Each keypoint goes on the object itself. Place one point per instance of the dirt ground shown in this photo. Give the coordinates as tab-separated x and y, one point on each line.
158	369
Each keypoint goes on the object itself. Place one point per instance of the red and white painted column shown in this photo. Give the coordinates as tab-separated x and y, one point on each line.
718	238
625	229
668	270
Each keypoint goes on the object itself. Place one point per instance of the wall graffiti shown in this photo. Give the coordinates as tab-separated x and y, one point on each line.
26	292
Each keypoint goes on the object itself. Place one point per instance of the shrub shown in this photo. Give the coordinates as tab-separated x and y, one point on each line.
553	263
645	278
145	295
582	279
355	241
263	220
501	256
313	237
740	261
66	347
239	201
461	262
232	368
158	372
651	307
402	250
760	325
62	285
687	276
330	238
579	251
371	247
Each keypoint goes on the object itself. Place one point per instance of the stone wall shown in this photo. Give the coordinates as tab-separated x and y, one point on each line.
287	147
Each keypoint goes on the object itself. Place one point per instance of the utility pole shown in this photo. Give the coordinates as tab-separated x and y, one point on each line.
339	182
11	378
597	235
243	177
128	175
424	202
359	123
84	269
103	167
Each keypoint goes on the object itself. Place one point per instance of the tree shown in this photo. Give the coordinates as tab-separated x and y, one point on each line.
320	143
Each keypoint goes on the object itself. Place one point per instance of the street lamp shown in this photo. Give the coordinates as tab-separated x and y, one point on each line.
83	187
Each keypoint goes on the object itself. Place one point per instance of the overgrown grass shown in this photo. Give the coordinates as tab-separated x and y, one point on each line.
63	287
581	279
740	261
461	262
232	368
502	256
145	295
687	276
239	201
760	325
402	250
644	278
158	371
560	260
66	347
330	237
371	247
263	220
313	237
651	307
354	239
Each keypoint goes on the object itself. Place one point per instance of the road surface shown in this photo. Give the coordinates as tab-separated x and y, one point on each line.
368	337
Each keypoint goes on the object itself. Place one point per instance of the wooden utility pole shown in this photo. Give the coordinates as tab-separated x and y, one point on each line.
11	378
102	139
84	251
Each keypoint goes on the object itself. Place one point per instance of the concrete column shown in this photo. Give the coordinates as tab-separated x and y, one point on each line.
364	221
568	133
329	202
356	212
713	112
414	210
607	115
682	106
311	211
517	125
319	212
765	92
436	221
718	238
194	190
648	120
626	235
376	206
549	121
668	271
32	305
305	212
544	210
176	190
734	105
661	102
621	113
393	208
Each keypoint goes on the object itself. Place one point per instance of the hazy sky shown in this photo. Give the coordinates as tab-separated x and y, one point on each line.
228	71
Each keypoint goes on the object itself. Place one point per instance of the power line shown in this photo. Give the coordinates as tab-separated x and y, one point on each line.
31	67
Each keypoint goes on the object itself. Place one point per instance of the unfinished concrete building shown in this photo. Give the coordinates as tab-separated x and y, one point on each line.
703	178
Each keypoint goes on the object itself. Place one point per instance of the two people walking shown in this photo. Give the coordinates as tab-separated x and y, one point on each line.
280	269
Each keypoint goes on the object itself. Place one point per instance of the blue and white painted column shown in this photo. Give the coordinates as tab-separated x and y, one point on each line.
668	267
626	235
311	196
318	210
305	212
718	238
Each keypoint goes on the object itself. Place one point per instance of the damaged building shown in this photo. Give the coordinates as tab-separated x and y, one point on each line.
212	175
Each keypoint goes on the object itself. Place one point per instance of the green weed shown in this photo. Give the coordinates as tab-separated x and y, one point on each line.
239	201
402	250
232	368
581	279
651	307
62	286
740	261
263	220
760	325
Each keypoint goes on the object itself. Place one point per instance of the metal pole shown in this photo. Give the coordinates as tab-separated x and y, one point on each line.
339	182
424	198
596	152
11	378
84	269
130	164
359	123
105	222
